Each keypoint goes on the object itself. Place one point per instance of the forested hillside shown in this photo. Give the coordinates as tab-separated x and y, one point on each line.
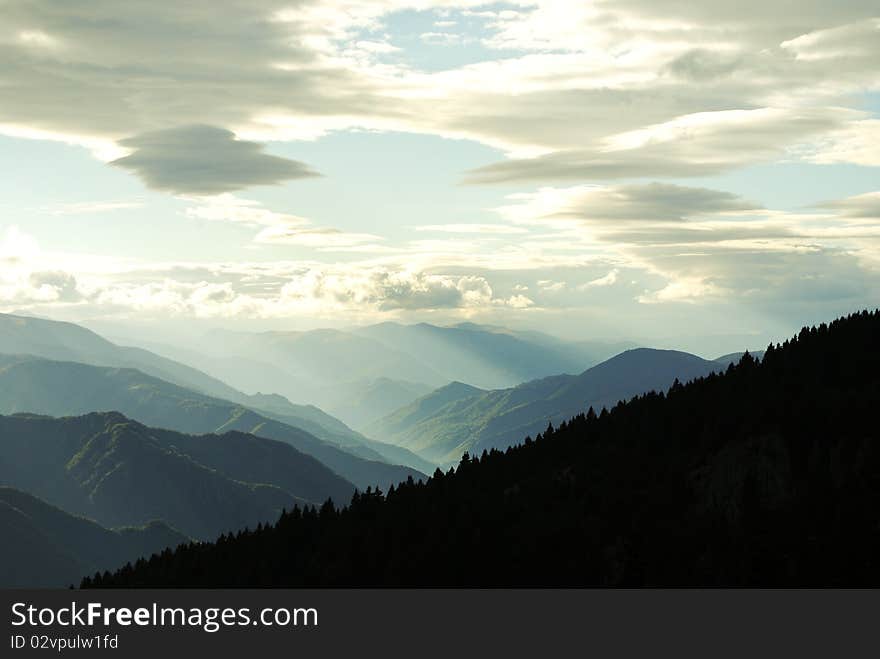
45	547
455	419
765	475
119	472
29	384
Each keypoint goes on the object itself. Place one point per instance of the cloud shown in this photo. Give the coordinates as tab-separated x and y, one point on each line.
571	77
860	207
550	286
600	282
611	206
691	145
858	143
386	289
204	160
320	237
276	228
55	286
844	42
695	244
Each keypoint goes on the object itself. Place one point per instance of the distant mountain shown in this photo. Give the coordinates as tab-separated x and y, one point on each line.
29	384
45	547
361	403
21	335
336	369
763	476
486	357
315	358
400	421
119	472
65	341
496	419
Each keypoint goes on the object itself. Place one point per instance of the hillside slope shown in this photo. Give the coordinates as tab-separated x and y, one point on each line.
496	419
45	547
60	341
54	388
765	475
66	341
119	473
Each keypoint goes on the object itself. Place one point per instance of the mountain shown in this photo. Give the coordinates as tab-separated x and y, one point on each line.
315	358
496	419
119	472
29	384
765	475
423	408
487	357
65	341
361	403
46	547
60	341
331	368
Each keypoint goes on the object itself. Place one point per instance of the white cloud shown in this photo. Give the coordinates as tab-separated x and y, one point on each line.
858	143
276	228
600	282
550	286
695	244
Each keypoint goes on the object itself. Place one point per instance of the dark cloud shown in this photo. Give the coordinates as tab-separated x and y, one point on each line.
204	160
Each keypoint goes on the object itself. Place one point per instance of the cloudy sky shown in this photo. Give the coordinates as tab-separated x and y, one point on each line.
599	168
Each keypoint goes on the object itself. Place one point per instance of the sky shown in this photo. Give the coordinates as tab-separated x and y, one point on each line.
657	171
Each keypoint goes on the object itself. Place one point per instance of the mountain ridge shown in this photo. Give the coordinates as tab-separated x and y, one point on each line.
29	384
497	418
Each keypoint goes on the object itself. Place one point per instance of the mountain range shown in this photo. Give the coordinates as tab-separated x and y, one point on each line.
763	475
31	384
458	418
147	451
362	374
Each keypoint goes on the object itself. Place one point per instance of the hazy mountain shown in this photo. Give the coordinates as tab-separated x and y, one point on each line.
66	341
400	421
765	475
361	403
29	384
590	352
487	357
331	368
70	342
45	547
501	417
119	472
319	357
